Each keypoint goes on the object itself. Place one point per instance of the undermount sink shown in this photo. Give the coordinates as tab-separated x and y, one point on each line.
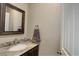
18	47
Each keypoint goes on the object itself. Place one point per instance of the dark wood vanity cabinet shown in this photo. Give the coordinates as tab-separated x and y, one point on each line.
33	52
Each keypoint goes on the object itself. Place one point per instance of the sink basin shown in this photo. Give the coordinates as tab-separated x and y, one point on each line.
18	47
22	47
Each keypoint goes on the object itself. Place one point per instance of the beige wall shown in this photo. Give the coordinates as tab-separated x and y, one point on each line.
19	36
47	16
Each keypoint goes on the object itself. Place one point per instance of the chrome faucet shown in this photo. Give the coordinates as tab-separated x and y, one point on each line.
16	41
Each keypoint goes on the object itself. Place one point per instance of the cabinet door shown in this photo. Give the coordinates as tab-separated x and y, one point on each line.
28	53
33	52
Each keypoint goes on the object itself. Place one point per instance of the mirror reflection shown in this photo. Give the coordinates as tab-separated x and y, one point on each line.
13	20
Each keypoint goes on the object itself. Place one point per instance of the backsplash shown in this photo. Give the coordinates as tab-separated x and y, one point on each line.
10	43
7	38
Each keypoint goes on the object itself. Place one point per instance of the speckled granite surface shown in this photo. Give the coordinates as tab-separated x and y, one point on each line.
4	51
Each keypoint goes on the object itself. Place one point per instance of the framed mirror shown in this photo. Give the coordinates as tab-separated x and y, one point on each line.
12	19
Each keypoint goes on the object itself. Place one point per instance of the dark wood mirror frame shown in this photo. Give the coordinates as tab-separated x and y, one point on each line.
2	19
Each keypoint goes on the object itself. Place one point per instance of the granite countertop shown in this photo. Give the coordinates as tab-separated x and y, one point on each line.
5	50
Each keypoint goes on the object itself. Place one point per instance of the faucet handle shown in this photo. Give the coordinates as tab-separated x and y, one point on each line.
16	41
